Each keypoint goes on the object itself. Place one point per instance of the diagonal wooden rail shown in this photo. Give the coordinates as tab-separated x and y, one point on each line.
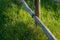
39	22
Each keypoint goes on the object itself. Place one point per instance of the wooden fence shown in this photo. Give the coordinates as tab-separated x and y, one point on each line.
39	22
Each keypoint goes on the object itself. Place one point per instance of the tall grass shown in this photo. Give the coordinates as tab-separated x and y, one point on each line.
17	24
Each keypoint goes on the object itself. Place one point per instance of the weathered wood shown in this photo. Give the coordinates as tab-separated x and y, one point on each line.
37	10
37	7
45	29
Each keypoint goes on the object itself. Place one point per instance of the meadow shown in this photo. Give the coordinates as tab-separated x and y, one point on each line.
17	24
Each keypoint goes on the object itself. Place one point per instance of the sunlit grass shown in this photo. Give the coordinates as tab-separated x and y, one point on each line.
17	24
50	21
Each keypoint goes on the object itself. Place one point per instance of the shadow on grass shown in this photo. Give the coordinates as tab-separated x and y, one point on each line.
20	31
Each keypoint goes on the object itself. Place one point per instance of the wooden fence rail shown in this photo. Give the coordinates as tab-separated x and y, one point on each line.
39	22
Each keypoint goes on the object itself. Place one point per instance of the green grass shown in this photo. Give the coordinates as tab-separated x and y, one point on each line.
17	24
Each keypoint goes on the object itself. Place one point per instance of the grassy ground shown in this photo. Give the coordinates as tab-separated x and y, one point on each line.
17	24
